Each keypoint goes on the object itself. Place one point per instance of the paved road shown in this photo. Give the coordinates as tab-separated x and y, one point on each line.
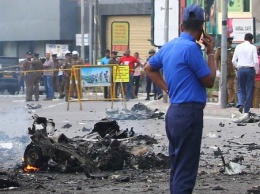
15	119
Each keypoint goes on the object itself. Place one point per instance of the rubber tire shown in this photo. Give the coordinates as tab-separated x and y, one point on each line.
33	156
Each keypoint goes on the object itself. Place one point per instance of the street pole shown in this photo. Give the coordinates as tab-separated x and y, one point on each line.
95	32
90	33
166	37
82	30
224	55
166	22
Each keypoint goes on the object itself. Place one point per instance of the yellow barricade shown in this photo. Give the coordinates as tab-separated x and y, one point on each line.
95	76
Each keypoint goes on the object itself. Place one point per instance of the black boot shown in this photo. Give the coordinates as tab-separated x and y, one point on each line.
155	96
147	97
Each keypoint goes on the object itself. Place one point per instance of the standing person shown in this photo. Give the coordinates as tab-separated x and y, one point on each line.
66	65
56	81
26	66
36	67
256	95
20	79
137	75
76	60
245	59
187	76
114	60
105	61
130	61
60	78
48	66
231	73
156	90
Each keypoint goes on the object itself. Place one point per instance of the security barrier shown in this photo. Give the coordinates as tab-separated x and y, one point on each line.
97	76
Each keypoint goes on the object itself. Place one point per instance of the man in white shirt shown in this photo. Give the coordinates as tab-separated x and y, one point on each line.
245	60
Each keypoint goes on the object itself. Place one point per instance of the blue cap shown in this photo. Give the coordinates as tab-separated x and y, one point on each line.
193	12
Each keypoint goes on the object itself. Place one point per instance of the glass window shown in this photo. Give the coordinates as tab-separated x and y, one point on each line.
246	5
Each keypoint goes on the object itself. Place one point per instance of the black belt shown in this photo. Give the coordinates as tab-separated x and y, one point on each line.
246	67
190	105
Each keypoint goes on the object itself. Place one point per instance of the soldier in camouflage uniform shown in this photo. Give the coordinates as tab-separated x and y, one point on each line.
76	60
26	66
36	67
56	83
66	65
231	73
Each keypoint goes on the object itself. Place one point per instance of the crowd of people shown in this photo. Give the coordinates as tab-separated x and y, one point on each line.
55	73
136	65
243	76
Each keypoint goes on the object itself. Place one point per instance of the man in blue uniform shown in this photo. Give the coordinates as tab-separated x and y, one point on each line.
187	75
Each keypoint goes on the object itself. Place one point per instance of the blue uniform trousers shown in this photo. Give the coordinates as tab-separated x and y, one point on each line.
48	83
156	89
184	124
246	80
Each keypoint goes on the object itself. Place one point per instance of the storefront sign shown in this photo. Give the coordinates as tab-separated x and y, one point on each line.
120	36
238	27
59	49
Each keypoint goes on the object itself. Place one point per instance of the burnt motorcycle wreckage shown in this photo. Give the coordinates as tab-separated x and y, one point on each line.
106	147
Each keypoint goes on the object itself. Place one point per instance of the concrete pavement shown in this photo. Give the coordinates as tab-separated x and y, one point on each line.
211	109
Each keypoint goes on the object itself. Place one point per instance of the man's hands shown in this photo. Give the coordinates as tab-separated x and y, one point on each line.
209	43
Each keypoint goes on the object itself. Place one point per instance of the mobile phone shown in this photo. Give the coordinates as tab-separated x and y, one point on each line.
203	33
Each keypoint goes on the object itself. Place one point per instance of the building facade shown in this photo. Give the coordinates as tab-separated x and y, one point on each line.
29	25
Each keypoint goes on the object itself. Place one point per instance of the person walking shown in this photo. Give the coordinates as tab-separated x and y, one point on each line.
156	90
36	68
231	73
256	95
187	75
48	66
245	59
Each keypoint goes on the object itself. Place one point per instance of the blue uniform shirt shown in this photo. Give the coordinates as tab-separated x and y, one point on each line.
104	61
183	66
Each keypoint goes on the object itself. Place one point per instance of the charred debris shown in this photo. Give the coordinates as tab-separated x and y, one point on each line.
105	148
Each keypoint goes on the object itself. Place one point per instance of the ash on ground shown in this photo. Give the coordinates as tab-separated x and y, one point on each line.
138	112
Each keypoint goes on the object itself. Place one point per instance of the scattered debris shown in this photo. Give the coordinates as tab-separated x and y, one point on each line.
232	168
138	112
212	135
218	152
7	184
245	118
241	124
217	188
221	124
253	147
254	190
66	126
33	106
85	129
